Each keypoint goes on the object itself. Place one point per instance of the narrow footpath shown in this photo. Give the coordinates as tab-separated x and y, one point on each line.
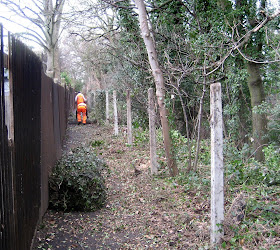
141	212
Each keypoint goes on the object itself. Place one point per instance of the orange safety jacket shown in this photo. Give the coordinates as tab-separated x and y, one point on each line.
80	98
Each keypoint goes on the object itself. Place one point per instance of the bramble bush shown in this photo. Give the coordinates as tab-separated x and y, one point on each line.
77	183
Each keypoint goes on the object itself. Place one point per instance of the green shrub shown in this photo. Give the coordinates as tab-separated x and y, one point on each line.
100	106
76	183
67	78
181	149
272	165
274	124
141	137
241	168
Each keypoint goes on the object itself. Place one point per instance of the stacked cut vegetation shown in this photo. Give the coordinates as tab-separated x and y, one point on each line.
77	183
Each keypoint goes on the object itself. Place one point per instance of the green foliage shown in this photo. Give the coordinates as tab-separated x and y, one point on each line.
100	106
236	104
180	144
180	147
97	143
200	182
78	86
273	115
258	206
262	212
141	137
76	183
241	169
205	152
140	118
127	19
271	171
66	78
170	15
258	181
274	124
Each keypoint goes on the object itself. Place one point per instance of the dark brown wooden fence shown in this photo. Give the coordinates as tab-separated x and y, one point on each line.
7	229
30	143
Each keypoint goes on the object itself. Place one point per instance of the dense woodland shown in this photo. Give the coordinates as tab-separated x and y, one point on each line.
197	43
98	46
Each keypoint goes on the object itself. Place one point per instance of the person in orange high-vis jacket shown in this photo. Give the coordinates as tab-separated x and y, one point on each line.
81	108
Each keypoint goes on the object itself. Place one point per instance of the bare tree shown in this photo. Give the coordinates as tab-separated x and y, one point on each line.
160	87
43	26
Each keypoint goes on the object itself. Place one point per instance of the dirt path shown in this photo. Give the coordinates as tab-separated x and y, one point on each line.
142	212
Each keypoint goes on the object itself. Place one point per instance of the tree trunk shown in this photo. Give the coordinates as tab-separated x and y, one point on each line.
53	68
52	62
129	119
259	121
52	23
159	81
152	132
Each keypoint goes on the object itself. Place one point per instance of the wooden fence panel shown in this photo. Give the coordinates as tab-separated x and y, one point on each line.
62	111
7	229
56	117
26	81
39	111
48	145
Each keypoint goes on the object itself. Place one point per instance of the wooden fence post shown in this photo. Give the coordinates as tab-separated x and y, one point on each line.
107	107
217	167
129	120
116	128
152	130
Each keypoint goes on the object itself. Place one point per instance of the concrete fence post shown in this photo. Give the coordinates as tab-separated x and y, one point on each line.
217	167
107	107
116	128
129	119
152	131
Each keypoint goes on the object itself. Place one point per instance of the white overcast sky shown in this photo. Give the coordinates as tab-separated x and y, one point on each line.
14	28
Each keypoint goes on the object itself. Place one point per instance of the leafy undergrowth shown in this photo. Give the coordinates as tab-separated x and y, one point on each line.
146	212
